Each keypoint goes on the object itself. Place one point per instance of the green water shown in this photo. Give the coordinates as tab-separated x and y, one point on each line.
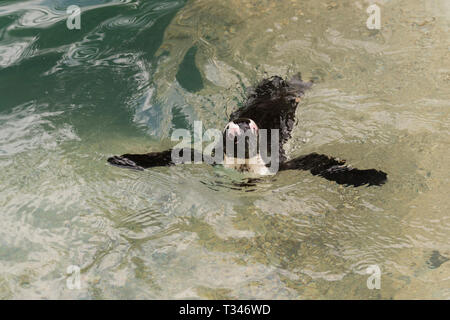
137	70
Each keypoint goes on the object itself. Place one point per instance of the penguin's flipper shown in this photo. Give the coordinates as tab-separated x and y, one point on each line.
335	170
142	161
155	159
123	162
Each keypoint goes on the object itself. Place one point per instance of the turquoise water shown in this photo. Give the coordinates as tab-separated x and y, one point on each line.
137	70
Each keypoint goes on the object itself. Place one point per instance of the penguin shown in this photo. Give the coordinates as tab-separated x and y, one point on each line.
270	107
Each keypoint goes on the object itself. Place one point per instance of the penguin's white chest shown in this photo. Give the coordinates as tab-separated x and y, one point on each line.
253	165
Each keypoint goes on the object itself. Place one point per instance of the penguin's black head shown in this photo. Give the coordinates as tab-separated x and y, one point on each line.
241	136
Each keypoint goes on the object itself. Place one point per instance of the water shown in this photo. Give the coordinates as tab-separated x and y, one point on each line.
137	70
